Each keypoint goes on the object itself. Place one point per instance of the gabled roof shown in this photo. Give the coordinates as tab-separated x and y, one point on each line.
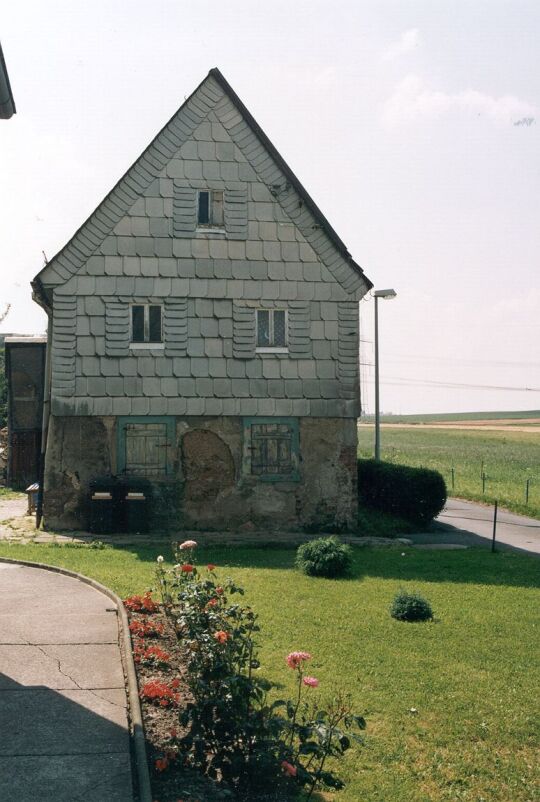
7	103
145	169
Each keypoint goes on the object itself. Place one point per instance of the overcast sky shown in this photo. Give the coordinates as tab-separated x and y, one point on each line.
414	125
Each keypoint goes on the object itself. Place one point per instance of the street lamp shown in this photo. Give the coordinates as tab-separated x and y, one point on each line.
387	294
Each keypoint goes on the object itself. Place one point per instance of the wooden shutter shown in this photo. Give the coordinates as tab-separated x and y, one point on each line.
243	331
236	213
175	327
348	347
63	345
300	345
116	328
184	210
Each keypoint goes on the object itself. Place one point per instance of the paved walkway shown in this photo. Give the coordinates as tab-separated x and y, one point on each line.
63	710
470	524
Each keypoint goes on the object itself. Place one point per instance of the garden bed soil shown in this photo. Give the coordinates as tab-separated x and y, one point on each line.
171	779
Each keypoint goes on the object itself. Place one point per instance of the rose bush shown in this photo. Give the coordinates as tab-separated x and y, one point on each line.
230	729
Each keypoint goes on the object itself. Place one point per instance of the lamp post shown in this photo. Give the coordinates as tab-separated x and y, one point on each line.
387	294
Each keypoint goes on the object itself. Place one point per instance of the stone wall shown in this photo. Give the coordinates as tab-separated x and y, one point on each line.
208	487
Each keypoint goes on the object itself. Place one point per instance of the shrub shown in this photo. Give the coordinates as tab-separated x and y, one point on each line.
416	494
326	556
411	607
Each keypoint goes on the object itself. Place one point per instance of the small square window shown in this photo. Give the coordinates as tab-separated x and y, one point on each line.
210	208
272	329
146	323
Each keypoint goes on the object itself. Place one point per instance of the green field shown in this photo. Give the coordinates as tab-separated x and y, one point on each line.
451	706
508	458
521	415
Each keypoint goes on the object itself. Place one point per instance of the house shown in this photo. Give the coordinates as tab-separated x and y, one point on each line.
203	333
7	103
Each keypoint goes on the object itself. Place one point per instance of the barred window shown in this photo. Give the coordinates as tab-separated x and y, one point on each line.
271	329
210	208
146	323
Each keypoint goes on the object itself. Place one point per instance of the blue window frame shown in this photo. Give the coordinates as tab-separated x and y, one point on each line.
271	449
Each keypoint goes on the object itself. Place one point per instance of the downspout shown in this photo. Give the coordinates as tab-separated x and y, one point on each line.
45	421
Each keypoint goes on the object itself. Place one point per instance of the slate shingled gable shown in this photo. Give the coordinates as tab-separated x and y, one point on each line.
140	175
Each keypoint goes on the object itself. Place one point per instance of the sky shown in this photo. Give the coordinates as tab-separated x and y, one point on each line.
414	125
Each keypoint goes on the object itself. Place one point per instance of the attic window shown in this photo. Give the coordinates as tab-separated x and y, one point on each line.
146	324
210	208
271	330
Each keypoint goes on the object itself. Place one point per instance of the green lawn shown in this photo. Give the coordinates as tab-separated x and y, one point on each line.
508	458
472	676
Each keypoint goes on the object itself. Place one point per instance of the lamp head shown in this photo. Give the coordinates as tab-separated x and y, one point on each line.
385	294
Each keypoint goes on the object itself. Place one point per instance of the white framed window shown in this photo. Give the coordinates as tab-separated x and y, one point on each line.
272	327
146	325
210	208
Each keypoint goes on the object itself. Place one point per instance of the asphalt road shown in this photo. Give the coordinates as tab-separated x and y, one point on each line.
470	524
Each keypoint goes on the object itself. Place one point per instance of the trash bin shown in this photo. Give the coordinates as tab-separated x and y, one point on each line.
136	503
105	509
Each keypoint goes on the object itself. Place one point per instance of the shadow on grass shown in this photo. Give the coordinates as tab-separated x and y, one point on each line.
475	566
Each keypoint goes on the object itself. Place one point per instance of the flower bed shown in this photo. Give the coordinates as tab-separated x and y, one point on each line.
213	728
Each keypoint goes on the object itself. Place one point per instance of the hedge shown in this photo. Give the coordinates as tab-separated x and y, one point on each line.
416	494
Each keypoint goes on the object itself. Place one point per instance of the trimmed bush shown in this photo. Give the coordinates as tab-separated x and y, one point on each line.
416	494
411	607
326	556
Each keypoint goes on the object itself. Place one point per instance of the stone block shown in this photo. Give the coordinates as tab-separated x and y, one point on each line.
222	388
131	266
240	388
271	367
199	366
225	328
94	306
158	405
114	385
236	368
150	264
140	406
176	406
181	366
132	386
169	387
217	367
195	347
128	366
186	386
213	346
195	406
151	386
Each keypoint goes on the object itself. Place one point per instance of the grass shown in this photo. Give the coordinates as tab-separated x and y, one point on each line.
472	676
434	417
8	493
508	458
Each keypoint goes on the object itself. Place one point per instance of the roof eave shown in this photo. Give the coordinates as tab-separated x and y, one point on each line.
7	103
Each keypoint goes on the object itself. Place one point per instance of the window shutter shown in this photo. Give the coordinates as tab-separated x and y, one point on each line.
175	327
184	211
299	330
236	214
243	331
348	353
116	328
64	344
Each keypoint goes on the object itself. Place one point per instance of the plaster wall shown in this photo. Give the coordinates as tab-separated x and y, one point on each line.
208	487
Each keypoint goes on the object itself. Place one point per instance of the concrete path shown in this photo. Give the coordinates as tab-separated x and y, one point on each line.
63	709
471	524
